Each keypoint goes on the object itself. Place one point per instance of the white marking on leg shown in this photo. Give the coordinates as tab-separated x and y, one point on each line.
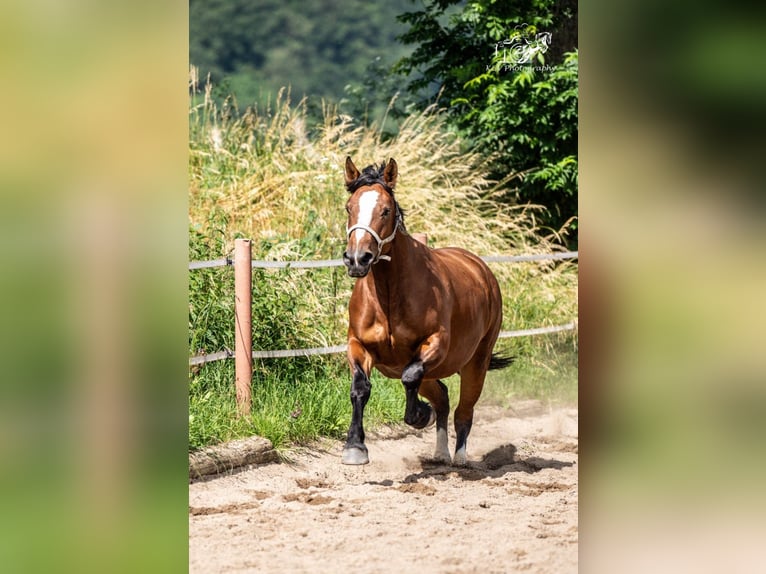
367	203
442	446
460	458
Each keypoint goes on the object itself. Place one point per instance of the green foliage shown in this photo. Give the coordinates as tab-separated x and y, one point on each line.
316	49
530	118
524	117
211	302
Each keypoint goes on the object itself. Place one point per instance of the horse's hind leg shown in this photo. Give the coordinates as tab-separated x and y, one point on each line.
471	383
436	393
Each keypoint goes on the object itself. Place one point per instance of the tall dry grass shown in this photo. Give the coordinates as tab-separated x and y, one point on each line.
268	174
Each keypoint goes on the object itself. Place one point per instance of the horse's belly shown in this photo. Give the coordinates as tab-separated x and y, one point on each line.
391	360
391	373
393	368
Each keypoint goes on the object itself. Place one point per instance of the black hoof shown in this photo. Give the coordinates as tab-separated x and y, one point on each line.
422	416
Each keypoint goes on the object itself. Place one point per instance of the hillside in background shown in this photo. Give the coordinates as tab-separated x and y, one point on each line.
321	49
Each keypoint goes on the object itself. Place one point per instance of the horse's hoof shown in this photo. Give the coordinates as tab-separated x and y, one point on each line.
354	455
442	457
422	417
460	458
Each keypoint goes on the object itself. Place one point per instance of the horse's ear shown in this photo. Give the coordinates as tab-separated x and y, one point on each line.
390	173
352	174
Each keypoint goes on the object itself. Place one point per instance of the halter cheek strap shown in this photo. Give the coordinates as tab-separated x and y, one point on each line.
380	242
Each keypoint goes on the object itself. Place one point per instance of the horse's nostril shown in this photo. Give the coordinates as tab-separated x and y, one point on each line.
346	256
366	258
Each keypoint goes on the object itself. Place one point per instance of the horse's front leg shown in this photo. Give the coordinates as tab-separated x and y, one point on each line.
417	413
431	352
355	451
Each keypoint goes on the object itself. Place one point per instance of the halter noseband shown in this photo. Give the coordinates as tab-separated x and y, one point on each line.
380	242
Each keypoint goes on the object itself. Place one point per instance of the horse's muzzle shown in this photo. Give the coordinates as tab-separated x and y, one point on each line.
358	267
358	272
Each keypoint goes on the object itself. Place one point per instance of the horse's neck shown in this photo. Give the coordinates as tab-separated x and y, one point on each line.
407	256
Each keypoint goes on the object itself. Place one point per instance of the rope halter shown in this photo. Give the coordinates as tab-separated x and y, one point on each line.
379	241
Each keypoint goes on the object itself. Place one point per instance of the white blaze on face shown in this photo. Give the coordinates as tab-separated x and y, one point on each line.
367	203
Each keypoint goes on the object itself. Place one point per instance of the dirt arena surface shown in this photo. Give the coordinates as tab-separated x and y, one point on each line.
513	509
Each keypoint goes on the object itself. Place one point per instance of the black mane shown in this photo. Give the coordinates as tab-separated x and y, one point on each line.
370	176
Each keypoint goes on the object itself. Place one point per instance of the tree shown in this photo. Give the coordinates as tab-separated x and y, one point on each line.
511	90
253	48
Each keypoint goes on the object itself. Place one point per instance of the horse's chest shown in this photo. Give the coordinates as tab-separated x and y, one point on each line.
391	329
391	343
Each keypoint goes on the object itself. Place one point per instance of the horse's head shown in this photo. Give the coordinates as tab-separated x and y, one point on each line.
373	215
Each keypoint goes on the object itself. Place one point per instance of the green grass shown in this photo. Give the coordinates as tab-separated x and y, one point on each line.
299	405
292	403
545	373
295	404
266	175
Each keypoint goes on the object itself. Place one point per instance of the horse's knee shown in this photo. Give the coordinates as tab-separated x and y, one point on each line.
413	374
360	386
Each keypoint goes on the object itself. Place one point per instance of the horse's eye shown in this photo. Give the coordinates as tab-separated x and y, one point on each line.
386	212
348	209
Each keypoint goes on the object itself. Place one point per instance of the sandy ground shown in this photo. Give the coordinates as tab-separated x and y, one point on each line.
514	508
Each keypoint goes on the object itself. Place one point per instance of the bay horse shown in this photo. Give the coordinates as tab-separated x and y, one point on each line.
416	314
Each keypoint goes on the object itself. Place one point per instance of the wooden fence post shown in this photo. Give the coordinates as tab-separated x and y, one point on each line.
422	237
243	333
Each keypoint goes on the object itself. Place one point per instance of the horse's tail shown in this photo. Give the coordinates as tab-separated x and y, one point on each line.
500	361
